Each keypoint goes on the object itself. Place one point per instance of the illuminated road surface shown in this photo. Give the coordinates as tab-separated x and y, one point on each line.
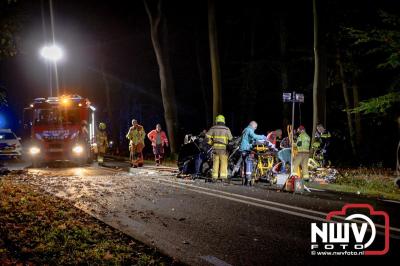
201	223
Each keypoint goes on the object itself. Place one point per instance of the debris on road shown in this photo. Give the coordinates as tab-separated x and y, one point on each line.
324	175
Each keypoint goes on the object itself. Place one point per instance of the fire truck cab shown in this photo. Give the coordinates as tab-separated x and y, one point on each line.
61	129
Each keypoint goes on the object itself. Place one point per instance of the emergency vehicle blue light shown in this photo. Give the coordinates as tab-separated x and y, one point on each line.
3	121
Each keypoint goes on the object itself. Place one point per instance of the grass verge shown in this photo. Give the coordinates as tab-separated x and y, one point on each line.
366	182
37	228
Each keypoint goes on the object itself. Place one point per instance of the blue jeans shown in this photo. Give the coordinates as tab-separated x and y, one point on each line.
248	164
199	158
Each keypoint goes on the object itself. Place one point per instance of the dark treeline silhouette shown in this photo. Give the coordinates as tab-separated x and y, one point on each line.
263	49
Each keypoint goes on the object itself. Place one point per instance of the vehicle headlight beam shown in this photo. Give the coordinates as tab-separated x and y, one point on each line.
77	149
34	151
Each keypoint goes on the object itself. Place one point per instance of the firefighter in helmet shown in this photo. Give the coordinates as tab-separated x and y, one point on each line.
102	142
136	136
321	145
303	149
219	136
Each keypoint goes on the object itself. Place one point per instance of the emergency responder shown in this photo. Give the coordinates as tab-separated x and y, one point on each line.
284	154
273	136
101	142
83	132
83	138
285	143
246	144
322	141
158	140
219	136
303	149
202	155
136	136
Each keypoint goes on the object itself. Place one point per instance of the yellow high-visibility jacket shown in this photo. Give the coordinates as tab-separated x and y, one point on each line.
303	142
101	141
219	136
136	135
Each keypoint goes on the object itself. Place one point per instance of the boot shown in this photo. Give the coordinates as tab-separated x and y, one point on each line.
249	181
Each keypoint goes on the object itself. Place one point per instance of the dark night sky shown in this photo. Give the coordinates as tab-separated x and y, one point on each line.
115	35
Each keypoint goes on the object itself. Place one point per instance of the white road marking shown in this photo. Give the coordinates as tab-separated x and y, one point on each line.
215	261
267	202
246	197
244	201
392	201
275	209
315	189
231	195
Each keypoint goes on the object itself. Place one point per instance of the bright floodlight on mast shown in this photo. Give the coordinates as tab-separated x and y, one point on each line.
52	53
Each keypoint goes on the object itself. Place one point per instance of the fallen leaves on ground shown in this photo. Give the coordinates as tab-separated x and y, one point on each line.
372	182
37	228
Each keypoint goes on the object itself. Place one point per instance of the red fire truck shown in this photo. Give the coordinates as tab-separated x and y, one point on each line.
56	129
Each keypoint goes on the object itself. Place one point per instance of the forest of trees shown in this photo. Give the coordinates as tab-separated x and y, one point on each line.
238	59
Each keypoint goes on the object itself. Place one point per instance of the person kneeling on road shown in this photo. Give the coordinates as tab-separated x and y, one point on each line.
219	136
248	138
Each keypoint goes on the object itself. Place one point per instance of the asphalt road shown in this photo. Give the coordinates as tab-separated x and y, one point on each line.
208	224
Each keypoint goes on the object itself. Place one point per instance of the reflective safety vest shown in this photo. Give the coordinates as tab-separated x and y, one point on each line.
136	135
303	142
101	141
101	138
323	138
219	136
153	137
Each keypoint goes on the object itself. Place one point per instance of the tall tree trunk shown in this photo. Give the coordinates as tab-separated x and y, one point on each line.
322	83
112	125
357	115
214	56
316	72
346	101
248	81
398	161
202	83
284	66
107	91
165	73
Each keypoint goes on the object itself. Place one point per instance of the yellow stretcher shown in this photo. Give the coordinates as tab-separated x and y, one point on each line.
264	160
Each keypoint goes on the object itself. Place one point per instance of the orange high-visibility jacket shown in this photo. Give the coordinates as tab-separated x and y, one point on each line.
153	137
